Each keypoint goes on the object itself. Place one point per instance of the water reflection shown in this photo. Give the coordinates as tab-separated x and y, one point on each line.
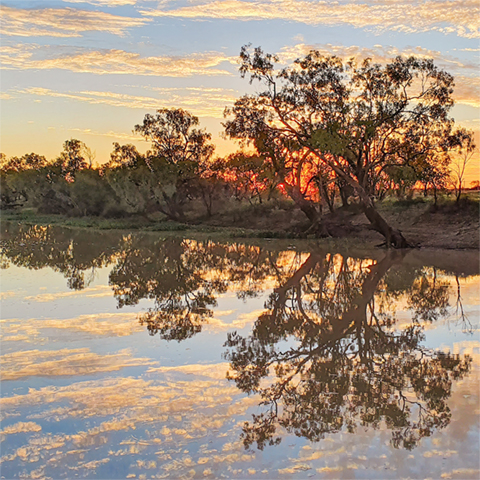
348	366
63	250
184	279
329	353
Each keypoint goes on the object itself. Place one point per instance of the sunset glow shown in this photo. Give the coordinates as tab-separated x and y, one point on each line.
91	69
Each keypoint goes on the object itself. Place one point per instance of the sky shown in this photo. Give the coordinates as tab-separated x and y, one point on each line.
92	69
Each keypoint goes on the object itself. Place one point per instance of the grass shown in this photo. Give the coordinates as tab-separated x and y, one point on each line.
272	220
30	217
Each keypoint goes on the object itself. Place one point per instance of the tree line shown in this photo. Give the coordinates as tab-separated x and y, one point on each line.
321	132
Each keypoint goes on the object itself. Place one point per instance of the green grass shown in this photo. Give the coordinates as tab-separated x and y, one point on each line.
30	217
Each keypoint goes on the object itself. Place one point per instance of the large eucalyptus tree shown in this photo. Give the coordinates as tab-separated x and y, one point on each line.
354	121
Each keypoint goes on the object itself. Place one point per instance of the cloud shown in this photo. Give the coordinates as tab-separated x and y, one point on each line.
111	134
65	362
104	3
21	427
97	291
460	17
100	324
467	91
63	22
119	62
178	405
462	473
8	294
467	84
242	320
208	104
177	422
378	53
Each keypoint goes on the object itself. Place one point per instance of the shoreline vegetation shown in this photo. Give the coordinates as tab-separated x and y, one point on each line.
447	225
329	149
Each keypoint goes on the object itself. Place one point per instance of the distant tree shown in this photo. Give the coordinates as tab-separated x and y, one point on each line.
249	176
21	178
29	161
174	136
404	177
73	157
209	185
354	120
466	150
123	155
433	176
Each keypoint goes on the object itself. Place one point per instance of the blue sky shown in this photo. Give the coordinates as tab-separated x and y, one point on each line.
92	69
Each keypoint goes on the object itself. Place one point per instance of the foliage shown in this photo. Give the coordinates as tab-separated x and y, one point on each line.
323	131
354	121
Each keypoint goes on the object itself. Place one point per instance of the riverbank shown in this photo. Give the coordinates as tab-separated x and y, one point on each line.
448	225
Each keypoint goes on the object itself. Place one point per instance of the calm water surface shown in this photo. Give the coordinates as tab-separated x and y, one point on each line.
152	356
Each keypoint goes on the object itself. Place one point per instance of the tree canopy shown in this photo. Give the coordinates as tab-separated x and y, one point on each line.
353	121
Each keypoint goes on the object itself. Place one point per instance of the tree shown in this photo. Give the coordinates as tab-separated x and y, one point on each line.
29	161
73	157
173	136
124	155
354	120
466	149
21	178
248	176
180	153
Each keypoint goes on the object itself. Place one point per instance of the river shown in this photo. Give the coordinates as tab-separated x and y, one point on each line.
148	355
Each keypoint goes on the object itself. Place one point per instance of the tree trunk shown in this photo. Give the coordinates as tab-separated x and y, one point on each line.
459	192
393	237
324	194
317	227
345	190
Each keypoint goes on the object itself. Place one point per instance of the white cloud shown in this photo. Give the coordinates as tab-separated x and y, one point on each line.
21	427
25	57
65	362
116	324
110	134
63	22
208	104
104	3
460	16
467	84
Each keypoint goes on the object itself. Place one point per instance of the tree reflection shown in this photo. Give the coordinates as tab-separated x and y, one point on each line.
329	353
183	278
66	251
326	356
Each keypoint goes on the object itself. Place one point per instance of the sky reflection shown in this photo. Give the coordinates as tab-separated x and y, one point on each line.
90	391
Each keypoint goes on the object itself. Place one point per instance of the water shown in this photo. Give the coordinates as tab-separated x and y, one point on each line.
155	356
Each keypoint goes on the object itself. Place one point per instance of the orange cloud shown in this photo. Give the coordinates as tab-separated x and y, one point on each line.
120	62
210	104
63	22
460	17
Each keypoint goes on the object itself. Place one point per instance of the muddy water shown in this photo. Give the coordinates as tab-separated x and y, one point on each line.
153	356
